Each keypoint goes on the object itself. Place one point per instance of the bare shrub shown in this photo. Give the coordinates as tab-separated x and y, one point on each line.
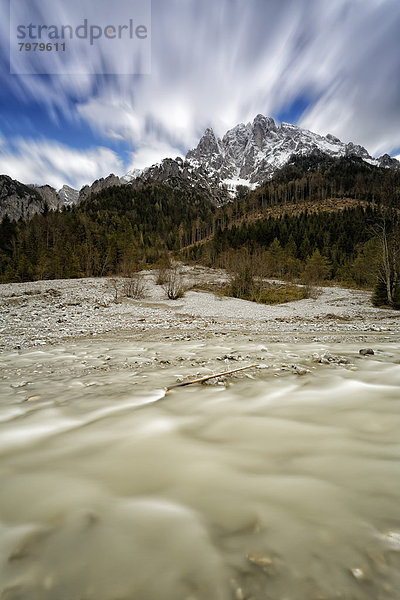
129	284
387	286
113	283
241	270
174	285
247	280
311	291
134	286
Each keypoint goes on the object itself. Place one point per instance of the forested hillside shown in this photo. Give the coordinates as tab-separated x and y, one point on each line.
119	225
317	215
318	219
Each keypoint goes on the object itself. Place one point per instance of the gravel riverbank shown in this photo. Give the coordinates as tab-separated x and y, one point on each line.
50	312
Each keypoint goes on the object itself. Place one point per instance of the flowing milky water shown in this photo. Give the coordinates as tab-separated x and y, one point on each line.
277	486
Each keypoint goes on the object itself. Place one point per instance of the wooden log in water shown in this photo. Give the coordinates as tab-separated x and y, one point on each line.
202	379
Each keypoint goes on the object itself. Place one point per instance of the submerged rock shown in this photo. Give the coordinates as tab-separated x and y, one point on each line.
358	573
259	559
301	371
393	540
326	359
365	351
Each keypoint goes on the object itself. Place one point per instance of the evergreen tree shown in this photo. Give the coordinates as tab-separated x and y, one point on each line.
318	268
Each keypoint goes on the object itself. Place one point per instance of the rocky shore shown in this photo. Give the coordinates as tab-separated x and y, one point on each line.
50	312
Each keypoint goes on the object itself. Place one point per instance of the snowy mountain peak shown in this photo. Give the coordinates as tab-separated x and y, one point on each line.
209	133
261	130
131	175
207	146
266	122
249	154
68	195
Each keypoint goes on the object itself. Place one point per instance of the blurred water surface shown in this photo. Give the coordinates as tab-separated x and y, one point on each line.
276	487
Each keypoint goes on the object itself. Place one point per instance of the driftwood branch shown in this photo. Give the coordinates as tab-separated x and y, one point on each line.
201	379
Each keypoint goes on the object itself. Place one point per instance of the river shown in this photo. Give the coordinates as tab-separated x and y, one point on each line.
278	486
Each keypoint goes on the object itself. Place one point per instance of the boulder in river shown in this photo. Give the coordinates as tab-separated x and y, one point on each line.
365	351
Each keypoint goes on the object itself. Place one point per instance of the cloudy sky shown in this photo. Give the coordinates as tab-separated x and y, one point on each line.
332	66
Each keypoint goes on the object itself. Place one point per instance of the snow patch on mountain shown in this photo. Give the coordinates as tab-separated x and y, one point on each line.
249	154
131	175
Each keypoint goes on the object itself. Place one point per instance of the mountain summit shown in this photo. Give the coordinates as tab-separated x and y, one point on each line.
250	154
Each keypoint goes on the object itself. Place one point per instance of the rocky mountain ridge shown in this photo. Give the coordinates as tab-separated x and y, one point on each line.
20	201
68	195
247	155
252	153
98	186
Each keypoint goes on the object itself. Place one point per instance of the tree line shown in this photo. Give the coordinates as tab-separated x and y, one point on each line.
124	226
116	227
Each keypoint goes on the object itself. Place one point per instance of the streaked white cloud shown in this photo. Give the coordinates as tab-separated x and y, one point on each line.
113	116
55	164
151	153
220	63
360	96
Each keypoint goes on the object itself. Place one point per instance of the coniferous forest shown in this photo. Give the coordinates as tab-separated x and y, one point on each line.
318	218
